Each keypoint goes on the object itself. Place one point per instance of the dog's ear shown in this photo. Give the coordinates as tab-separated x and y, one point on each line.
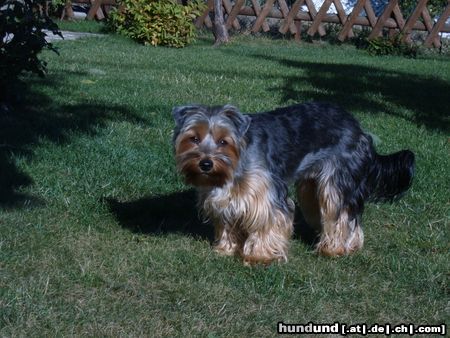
239	120
180	113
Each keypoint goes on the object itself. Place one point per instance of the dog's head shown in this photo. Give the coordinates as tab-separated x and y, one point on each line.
208	143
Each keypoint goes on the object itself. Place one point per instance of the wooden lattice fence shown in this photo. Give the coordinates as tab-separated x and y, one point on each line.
362	14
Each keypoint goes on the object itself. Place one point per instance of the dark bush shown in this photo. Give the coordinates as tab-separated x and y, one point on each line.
22	37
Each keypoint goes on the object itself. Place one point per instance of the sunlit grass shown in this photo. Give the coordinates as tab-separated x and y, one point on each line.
97	239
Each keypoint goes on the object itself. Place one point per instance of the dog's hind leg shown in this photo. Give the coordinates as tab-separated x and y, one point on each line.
341	234
323	208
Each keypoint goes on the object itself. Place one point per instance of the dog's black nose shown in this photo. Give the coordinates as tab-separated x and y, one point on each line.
206	165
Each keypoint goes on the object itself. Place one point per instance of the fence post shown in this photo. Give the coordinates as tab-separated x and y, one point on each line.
376	31
437	27
229	8
290	17
262	16
351	20
257	10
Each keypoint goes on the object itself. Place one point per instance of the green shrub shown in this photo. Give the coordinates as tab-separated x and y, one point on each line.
22	37
390	46
163	22
435	7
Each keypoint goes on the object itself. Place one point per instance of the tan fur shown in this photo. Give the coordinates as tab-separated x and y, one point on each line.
320	205
226	241
341	237
340	234
246	221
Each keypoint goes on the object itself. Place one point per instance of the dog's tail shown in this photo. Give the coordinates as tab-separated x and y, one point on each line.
390	175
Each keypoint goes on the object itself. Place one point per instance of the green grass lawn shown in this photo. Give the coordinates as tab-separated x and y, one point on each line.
88	26
99	236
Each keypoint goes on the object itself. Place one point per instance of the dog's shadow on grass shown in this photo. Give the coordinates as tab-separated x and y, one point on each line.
178	213
163	214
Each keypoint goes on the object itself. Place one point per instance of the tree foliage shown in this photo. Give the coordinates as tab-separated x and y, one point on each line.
23	27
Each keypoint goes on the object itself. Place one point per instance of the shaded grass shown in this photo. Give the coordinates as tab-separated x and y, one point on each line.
95	239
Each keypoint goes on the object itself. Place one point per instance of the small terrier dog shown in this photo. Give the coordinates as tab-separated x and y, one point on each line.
241	165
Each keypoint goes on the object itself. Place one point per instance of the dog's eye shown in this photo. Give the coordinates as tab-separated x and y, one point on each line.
195	139
222	142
